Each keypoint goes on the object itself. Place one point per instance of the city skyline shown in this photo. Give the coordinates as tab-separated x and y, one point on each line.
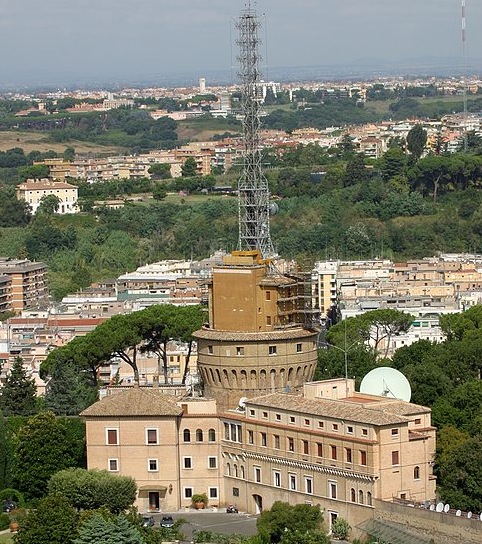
118	39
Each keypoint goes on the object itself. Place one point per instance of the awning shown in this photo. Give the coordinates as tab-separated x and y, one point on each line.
153	487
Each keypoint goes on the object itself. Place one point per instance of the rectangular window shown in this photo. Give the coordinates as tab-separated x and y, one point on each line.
298	348
113	465
268	320
263	439
151	436
265	415
306	447
364	432
348	455
210	350
235	491
188	492
349	429
213	492
335	426
321	424
418	421
152	465
363	458
333	490
291	444
212	462
394	432
276	478
319	449
333	452
257	474
226	431
187	462
278	417
268	295
292	479
395	458
272	350
292	419
276	442
240	350
307	422
250	437
309	485
112	437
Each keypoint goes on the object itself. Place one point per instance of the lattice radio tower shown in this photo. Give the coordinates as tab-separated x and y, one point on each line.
253	191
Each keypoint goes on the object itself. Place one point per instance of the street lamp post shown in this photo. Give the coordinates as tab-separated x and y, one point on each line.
345	351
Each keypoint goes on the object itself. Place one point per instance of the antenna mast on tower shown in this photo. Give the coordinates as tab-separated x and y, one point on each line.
464	55
253	191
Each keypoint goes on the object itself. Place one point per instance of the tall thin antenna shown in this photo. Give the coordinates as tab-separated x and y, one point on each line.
253	191
464	56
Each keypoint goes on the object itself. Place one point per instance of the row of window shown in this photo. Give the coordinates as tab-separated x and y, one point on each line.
213	492
333	427
153	464
152	436
272	350
334	451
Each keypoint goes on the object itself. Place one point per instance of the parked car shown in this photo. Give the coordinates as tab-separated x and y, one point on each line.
167	522
8	506
232	509
148	521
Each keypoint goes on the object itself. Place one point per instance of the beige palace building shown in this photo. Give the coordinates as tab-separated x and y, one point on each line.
32	191
328	445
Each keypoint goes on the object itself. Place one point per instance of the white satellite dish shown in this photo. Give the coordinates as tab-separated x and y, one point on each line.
439	507
432	507
458	513
446	507
469	514
480	517
242	404
386	382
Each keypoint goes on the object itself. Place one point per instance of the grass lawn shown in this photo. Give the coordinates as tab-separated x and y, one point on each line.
7	537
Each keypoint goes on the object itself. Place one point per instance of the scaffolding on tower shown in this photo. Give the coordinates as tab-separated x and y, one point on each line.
253	191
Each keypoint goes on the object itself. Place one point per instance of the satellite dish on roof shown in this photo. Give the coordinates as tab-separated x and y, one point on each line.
458	513
432	507
469	514
273	208
480	517
439	507
386	382
446	507
242	404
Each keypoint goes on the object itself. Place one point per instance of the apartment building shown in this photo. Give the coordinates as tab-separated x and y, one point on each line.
328	445
28	283
5	293
32	191
170	446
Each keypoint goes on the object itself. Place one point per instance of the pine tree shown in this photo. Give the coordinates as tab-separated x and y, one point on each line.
98	530
19	394
68	391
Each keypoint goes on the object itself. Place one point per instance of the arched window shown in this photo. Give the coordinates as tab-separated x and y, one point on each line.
360	496
186	435
242	471
212	435
235	470
228	469
199	435
369	498
353	495
416	473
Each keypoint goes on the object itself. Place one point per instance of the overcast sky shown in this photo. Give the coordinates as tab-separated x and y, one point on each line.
64	40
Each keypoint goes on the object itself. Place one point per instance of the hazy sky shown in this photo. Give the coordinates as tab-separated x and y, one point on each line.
63	40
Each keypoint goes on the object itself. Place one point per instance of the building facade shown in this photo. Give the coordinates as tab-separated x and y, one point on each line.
28	283
32	191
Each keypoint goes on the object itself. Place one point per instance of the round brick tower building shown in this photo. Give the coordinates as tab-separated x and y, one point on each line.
260	338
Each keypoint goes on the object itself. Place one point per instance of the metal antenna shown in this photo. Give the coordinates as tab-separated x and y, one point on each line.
464	55
253	191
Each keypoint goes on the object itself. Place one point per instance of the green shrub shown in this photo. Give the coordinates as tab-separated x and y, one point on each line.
4	521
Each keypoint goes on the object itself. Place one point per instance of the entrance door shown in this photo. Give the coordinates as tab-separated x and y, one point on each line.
258	502
154	500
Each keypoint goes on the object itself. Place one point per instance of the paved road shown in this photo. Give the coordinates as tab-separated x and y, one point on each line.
217	522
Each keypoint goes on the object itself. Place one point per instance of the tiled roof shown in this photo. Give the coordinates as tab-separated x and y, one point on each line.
216	334
134	401
383	414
